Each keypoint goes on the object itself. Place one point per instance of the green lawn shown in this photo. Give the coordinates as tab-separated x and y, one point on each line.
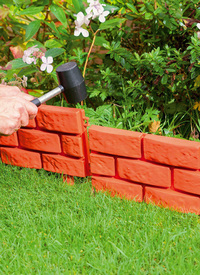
49	227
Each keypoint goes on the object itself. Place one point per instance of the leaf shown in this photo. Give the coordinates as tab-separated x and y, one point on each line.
17	51
32	29
148	16
111	8
112	23
54	28
35	92
59	14
27	71
18	63
99	41
54	52
53	43
78	5
164	79
154	126
197	82
132	8
31	10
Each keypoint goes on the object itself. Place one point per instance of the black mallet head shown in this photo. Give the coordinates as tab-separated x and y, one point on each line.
71	84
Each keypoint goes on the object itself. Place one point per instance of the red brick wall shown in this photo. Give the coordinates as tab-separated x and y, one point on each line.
55	141
161	170
142	167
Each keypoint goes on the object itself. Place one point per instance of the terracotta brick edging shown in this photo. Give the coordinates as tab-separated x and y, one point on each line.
48	140
161	170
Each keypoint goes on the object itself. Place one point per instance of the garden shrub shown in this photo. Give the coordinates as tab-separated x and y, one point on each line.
142	65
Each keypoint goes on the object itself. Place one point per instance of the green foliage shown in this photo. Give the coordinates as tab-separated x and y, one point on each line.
145	56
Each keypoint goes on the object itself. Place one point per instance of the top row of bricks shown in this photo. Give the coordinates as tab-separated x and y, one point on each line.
60	119
159	149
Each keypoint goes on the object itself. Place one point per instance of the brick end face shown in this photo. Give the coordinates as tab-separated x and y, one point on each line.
172	199
118	187
115	141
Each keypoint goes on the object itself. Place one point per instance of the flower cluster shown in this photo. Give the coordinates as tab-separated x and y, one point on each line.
32	54
95	10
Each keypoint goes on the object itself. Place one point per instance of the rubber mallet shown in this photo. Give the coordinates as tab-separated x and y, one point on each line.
71	84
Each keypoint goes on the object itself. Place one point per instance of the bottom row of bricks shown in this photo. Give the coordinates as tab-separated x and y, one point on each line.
50	162
159	196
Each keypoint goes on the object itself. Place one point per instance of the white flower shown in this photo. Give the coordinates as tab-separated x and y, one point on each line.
47	64
102	16
96	9
198	26
28	55
81	20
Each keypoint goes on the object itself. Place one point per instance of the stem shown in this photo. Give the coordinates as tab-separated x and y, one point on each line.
89	52
155	5
88	55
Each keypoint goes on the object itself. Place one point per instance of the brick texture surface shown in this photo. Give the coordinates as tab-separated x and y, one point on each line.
73	145
115	141
172	151
144	172
65	165
9	140
172	199
102	165
22	158
118	187
31	124
65	120
39	141
187	181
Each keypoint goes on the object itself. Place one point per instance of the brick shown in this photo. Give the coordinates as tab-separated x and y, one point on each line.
61	119
115	141
65	165
172	151
72	145
9	140
187	181
39	140
31	124
102	165
118	187
144	172
20	157
172	199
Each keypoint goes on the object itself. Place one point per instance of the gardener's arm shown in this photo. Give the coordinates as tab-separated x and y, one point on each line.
15	109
